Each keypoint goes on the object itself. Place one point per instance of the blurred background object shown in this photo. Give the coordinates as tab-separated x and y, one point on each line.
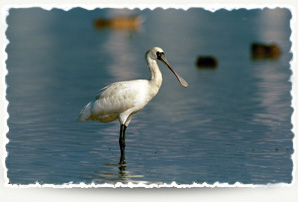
131	23
207	62
264	51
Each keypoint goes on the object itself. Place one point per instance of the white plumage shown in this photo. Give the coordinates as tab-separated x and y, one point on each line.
118	101
121	100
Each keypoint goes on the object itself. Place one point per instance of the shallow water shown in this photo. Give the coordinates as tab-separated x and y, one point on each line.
231	124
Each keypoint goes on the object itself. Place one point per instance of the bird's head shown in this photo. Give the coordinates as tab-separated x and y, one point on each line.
157	53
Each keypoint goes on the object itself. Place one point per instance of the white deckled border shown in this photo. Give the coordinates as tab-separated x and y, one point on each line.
209	7
134	185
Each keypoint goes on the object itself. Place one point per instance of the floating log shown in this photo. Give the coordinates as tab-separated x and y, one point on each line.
119	23
264	51
206	62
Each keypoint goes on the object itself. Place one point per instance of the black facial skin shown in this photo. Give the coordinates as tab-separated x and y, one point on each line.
159	54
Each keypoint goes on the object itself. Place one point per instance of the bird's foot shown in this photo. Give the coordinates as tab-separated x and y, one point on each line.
122	165
122	162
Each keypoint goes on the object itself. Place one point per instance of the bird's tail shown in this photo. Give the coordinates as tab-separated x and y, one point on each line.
85	113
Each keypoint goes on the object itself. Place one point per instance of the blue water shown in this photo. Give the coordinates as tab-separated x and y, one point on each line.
232	124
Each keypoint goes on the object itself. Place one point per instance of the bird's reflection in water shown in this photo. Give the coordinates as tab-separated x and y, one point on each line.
115	174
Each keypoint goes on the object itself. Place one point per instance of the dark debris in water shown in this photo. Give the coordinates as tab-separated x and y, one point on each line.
208	62
264	51
131	23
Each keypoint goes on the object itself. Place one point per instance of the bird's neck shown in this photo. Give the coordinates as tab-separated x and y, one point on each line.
156	76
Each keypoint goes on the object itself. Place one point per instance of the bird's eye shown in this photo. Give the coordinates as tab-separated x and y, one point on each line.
158	54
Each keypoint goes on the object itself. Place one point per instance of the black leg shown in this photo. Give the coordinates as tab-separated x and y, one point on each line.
122	143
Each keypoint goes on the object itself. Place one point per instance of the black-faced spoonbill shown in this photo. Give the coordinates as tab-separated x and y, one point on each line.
121	100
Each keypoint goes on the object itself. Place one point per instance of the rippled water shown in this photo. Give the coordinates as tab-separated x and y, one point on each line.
231	124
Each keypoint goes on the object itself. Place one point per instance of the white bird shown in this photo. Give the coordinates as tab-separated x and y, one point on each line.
121	100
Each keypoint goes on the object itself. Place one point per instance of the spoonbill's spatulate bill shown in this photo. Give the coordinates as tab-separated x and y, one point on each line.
121	100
